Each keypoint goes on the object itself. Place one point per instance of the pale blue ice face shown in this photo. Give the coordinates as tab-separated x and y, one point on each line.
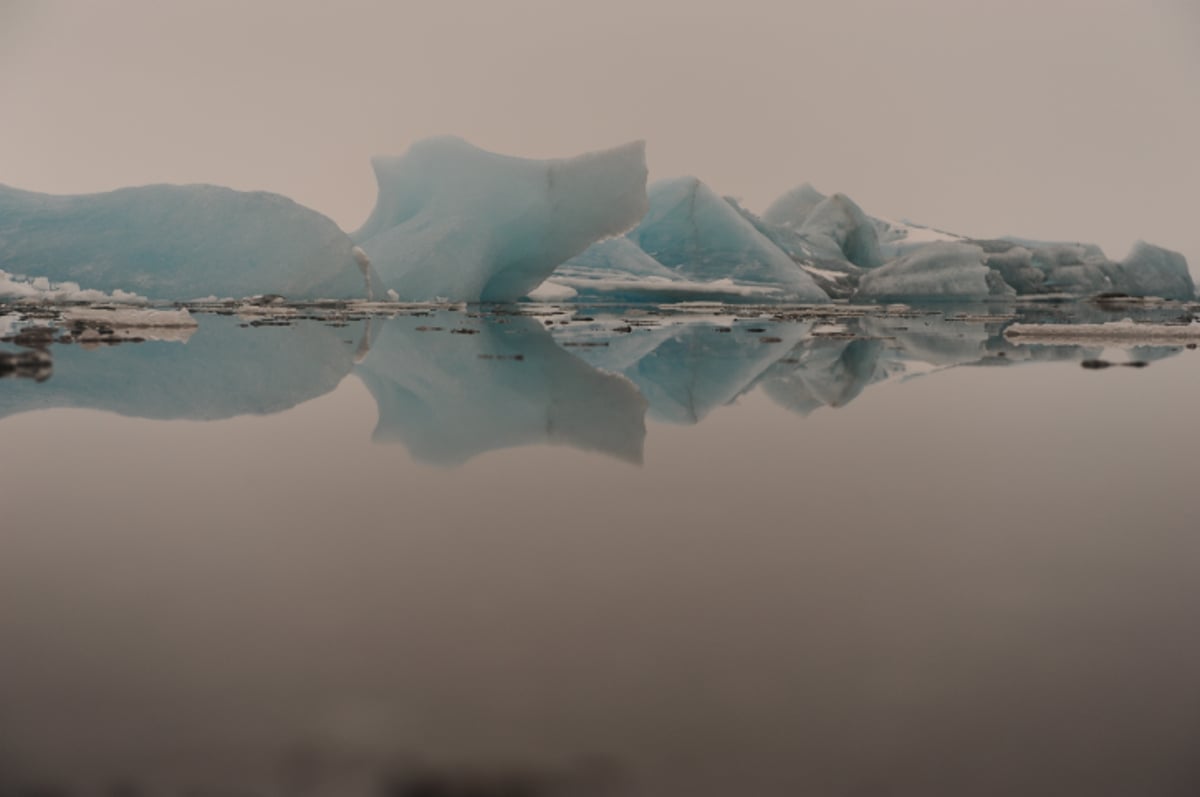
179	243
455	222
701	237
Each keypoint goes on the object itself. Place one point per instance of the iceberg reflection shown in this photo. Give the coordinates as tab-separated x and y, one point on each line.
222	371
450	384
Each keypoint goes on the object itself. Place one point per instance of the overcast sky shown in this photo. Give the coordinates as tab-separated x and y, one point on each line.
1075	119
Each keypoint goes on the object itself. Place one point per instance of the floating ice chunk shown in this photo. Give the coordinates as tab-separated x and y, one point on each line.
552	291
456	222
1033	267
838	228
793	208
177	241
940	271
1152	271
131	318
700	236
1117	333
41	289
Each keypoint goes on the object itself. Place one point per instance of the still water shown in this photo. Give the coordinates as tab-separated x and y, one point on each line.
531	551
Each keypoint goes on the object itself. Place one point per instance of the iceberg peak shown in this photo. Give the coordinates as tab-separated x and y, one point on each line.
791	209
700	235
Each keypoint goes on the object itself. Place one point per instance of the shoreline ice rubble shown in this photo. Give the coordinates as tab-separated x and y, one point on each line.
456	223
1118	333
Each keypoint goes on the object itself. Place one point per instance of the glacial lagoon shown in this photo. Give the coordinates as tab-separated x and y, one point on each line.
532	549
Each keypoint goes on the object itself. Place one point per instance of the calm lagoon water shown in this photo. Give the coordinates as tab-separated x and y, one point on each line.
450	552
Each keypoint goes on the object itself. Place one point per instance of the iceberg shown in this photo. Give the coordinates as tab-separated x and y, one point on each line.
1114	333
703	238
1150	270
457	223
617	270
792	209
837	228
937	271
178	242
1036	267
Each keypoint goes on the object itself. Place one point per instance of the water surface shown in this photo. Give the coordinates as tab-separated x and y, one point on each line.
704	553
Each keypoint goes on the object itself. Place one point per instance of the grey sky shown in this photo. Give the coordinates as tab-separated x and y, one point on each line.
1068	118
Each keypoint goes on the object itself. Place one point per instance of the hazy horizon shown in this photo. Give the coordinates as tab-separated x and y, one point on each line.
1062	119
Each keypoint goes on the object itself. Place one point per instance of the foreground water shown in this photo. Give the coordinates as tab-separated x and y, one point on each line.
450	552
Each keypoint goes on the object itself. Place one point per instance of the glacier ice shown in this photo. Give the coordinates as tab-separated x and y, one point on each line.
702	237
455	222
178	242
838	228
1150	270
793	208
618	270
934	271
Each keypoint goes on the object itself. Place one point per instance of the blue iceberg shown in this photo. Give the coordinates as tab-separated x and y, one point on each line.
1152	271
703	238
938	271
837	228
455	222
792	209
179	242
616	270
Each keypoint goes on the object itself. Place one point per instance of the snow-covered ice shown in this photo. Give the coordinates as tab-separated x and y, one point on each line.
131	318
41	289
